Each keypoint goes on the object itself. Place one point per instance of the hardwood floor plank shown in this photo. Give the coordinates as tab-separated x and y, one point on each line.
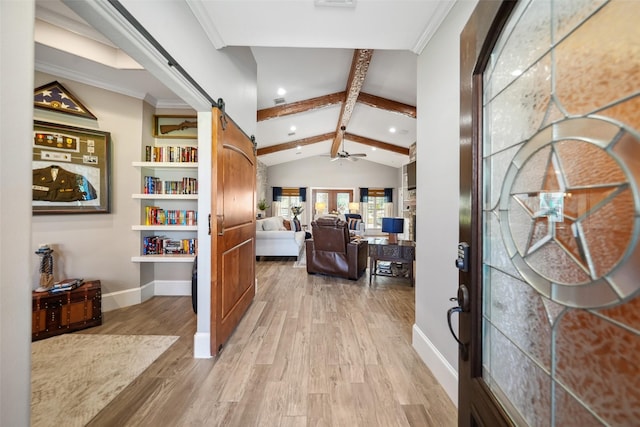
312	350
269	346
319	410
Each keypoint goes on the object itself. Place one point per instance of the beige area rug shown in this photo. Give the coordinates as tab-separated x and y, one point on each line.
301	262
74	376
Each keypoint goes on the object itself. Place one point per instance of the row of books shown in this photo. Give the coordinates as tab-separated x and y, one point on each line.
171	154
155	215
155	185
162	245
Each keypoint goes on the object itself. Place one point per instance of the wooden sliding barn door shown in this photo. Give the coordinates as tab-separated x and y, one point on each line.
233	227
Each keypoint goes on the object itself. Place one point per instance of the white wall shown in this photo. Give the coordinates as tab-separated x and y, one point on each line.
437	196
16	123
229	73
97	246
320	172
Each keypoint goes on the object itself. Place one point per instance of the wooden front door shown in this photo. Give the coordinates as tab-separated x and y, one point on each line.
550	172
233	227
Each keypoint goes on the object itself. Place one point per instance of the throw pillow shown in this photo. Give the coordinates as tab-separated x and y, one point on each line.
287	224
353	223
271	224
296	225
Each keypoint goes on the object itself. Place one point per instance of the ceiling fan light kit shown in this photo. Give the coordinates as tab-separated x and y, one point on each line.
345	154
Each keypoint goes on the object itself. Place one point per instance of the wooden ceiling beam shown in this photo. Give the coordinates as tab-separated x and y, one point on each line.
387	104
359	67
301	106
327	136
378	144
293	144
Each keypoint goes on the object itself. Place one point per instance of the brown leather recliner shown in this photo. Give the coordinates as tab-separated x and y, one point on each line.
331	252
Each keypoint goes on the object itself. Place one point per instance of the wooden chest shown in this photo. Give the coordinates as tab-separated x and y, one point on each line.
55	314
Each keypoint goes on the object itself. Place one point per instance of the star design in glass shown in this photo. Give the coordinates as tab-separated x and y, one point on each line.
557	211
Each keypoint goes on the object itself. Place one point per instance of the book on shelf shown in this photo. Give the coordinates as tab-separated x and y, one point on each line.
171	154
155	215
155	185
162	245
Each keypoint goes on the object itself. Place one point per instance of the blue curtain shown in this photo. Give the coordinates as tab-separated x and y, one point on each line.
388	195
364	195
303	194
277	194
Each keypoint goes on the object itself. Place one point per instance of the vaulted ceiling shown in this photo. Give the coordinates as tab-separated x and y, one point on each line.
344	64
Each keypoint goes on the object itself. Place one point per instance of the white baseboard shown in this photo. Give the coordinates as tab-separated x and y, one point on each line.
172	288
201	349
446	375
120	299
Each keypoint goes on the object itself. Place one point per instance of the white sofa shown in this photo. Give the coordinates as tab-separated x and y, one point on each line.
273	239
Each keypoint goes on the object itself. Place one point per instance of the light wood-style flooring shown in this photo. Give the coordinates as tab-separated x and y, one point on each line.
311	351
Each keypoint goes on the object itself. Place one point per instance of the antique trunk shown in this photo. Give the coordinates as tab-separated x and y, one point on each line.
68	311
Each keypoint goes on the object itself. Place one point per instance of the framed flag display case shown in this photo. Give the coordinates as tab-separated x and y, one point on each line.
71	169
55	97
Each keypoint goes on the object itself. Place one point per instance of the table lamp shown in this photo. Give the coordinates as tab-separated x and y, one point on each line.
320	207
393	226
354	207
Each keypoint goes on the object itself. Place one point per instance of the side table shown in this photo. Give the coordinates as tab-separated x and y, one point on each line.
381	250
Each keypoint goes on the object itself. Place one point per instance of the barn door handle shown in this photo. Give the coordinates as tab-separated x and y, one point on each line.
463	306
220	224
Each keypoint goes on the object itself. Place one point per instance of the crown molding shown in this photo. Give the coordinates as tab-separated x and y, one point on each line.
439	14
202	15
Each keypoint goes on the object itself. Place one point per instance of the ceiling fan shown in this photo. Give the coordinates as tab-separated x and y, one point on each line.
345	154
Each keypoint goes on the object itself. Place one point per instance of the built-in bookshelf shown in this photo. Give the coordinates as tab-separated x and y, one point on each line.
168	198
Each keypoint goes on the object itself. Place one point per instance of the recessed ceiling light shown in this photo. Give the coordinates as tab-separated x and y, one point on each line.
281	91
292	128
392	129
516	73
299	147
373	148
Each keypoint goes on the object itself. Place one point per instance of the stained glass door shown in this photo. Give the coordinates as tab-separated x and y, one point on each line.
554	327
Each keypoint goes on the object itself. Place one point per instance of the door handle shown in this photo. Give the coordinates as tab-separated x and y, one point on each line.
220	224
463	306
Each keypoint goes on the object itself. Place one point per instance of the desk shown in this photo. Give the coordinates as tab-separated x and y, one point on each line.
381	250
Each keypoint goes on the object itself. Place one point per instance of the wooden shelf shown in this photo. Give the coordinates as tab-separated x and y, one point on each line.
165	227
165	196
166	165
164	258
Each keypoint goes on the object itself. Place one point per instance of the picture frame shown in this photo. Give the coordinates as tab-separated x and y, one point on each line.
175	127
71	169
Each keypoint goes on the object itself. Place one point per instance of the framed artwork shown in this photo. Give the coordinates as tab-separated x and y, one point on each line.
175	127
71	169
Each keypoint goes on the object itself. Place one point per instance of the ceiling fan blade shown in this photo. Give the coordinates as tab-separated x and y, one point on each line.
358	155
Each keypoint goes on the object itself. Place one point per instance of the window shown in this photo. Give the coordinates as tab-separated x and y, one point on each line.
375	208
290	197
333	200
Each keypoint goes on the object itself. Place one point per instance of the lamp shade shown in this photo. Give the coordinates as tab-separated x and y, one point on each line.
392	225
321	206
354	207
